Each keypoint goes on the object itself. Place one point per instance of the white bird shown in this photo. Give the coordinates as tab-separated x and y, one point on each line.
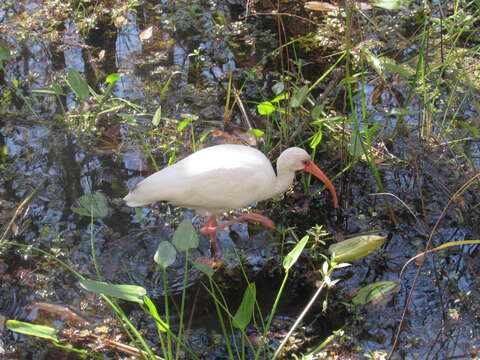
220	178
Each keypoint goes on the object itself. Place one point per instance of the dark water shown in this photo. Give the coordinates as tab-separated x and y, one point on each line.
197	54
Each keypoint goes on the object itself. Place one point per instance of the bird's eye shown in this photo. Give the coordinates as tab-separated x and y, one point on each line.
304	162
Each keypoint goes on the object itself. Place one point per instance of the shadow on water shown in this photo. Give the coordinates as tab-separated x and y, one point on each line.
441	317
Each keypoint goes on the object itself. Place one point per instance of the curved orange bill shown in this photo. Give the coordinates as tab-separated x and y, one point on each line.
315	170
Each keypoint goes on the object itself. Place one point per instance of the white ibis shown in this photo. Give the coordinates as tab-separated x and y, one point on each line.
220	178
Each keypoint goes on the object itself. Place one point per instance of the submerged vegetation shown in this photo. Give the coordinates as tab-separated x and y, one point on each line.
96	95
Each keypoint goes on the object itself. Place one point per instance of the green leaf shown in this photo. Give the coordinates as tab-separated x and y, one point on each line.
125	292
316	139
157	117
316	112
376	293
299	97
388	4
113	78
204	268
355	147
152	310
384	65
278	88
185	237
165	254
293	255
279	98
244	313
41	331
58	89
78	85
95	205
266	108
4	53
256	132
183	124
355	248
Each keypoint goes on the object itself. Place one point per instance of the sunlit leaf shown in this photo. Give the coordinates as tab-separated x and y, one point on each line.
183	124
125	292
4	53
299	97
320	6
266	108
41	331
376	293
95	205
157	117
316	139
165	254
256	132
279	98
185	237
146	34
152	309
388	4
384	65
243	316
355	248
293	255
278	88
78	85
113	78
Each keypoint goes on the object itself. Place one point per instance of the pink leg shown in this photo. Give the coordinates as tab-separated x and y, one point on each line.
210	228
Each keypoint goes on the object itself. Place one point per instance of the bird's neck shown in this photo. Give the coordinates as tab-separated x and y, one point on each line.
283	180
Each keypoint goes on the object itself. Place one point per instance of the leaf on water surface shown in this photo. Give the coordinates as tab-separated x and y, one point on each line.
299	97
41	331
355	248
152	309
185	237
384	65
378	293
78	84
165	254
95	205
4	53
245	310
125	292
293	255
266	108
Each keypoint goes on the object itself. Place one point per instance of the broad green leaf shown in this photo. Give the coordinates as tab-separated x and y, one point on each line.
157	117
125	292
152	309
388	4
95	205
299	97
355	248
165	254
204	268
316	112
266	108
256	132
293	255
185	237
58	89
384	65
278	88
113	78
183	124
78	85
41	331
4	53
243	316
376	293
